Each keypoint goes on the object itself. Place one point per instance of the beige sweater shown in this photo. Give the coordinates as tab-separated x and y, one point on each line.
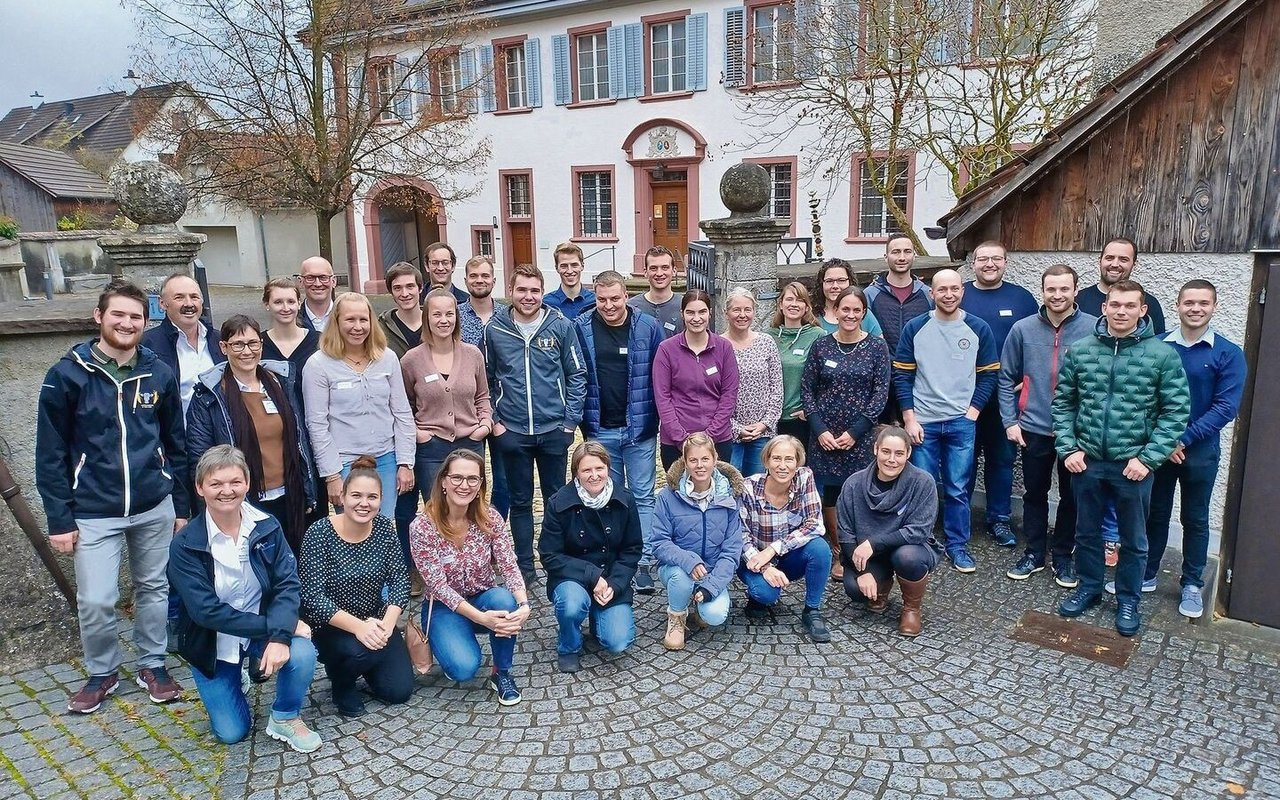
453	407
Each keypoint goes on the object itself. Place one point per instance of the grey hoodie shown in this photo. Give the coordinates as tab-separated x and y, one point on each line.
1031	357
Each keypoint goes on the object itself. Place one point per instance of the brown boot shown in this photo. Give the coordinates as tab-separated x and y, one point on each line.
912	596
881	602
674	640
833	539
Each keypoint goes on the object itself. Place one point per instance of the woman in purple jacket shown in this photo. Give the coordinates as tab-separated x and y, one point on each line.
695	381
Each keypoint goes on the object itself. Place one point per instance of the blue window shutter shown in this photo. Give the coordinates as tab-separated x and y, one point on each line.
735	46
695	48
533	71
422	88
560	69
635	59
467	64
402	102
617	62
488	94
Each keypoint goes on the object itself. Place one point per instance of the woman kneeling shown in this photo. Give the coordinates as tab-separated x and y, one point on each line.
355	585
886	516
782	514
238	581
590	547
697	538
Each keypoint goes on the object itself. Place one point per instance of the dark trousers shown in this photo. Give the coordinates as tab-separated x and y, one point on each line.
499	497
910	561
520	453
1100	483
430	455
388	671
992	443
1039	460
670	452
1196	476
798	428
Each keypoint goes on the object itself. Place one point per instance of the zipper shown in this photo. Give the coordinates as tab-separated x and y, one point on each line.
124	433
163	471
1111	390
75	478
528	386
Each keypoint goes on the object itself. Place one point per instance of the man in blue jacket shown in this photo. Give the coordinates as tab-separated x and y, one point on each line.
110	458
539	381
185	345
895	298
618	345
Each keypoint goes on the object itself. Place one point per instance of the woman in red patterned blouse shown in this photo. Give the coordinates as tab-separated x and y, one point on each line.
455	543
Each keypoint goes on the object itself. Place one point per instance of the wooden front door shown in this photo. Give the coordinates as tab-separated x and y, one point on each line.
521	235
669	214
1253	593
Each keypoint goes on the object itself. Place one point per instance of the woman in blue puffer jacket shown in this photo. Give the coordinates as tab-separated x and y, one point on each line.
697	538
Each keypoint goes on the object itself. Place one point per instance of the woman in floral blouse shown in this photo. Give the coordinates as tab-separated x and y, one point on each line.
755	418
782	536
455	542
844	388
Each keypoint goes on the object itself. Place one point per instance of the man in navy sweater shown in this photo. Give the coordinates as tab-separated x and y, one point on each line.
1216	372
999	304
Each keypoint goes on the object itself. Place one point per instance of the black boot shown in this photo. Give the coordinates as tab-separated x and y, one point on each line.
815	625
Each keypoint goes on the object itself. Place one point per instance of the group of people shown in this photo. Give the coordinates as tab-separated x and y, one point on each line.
321	472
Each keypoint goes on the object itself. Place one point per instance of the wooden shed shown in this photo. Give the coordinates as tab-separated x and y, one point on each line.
37	186
1181	154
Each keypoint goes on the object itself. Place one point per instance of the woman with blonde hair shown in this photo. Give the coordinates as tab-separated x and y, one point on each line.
456	542
759	405
794	329
356	404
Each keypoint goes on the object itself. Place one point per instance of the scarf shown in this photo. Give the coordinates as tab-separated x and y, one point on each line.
701	499
599	501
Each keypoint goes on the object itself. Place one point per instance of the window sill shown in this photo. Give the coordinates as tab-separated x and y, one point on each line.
866	239
659	98
595	239
608	101
507	112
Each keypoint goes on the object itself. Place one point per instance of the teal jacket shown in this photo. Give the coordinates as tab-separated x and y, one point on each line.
1121	398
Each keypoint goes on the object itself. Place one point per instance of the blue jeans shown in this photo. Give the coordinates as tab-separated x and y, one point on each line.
1104	482
387	472
1196	476
997	467
634	465
745	456
499	496
224	699
614	626
812	562
427	460
1110	526
680	593
947	455
453	636
520	452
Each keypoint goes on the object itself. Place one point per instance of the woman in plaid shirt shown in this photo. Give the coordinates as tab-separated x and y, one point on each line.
782	534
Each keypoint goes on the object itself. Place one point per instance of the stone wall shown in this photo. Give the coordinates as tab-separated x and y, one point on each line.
67	255
1128	30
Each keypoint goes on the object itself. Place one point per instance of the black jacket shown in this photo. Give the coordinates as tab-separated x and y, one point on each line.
580	544
108	449
203	616
163	341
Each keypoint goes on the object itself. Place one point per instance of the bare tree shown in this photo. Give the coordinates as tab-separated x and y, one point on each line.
963	81
302	103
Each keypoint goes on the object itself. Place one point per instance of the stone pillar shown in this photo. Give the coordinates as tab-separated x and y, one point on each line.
153	196
746	243
13	274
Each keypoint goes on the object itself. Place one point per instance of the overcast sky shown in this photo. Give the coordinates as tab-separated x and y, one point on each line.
63	49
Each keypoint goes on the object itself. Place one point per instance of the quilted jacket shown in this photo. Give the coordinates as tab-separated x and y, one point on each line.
642	409
684	535
1118	398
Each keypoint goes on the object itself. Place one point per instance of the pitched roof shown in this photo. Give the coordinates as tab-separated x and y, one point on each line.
57	173
104	123
1172	51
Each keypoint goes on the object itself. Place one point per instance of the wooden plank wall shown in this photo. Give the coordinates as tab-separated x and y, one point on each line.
1193	166
30	205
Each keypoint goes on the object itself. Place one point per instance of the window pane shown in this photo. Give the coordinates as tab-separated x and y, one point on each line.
595	203
516	89
518	204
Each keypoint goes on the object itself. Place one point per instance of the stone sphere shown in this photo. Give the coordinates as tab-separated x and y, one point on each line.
745	188
149	192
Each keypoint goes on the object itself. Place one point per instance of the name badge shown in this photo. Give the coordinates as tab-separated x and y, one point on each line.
1006	312
799	351
269	406
712	370
432	378
671	326
345	385
831	363
622	351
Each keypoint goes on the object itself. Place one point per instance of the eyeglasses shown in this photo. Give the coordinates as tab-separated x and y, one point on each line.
834	281
445	263
463	480
315	280
989	259
240	347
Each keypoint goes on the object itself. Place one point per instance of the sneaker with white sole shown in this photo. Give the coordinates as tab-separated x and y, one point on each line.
161	688
1192	603
295	733
505	686
91	696
1147	586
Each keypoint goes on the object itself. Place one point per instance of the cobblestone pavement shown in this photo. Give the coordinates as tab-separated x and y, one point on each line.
754	710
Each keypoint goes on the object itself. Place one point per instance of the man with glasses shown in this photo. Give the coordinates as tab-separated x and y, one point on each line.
999	304
440	263
316	274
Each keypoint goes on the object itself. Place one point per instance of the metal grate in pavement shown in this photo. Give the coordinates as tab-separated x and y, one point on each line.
1075	638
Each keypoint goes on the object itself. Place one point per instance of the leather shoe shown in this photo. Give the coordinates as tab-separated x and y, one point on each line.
1078	602
1128	620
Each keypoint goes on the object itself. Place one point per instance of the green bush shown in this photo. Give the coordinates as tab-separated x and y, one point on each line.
8	227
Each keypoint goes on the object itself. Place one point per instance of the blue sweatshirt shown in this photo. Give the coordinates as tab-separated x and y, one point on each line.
944	367
999	307
1216	371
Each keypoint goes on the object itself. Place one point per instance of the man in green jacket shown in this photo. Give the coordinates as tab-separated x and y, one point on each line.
1121	403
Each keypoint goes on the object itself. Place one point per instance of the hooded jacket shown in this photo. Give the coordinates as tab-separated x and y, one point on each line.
1120	398
685	536
642	347
581	545
395	337
209	422
202	616
109	448
903	514
537	386
1031	356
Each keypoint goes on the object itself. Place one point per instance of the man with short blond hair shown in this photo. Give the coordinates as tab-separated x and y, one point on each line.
569	298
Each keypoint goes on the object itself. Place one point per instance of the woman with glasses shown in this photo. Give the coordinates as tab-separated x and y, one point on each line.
590	546
794	329
834	276
356	402
457	543
755	418
255	405
844	388
286	339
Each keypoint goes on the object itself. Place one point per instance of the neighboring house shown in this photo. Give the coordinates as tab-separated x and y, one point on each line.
1179	154
39	186
609	125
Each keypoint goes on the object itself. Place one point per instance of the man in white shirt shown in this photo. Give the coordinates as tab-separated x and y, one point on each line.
316	274
181	340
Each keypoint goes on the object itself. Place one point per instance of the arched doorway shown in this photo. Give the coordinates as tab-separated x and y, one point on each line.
402	217
665	156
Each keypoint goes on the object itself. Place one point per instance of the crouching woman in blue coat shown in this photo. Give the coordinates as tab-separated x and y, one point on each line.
697	538
238	581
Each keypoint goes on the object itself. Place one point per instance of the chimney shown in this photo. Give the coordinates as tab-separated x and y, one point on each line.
1129	29
68	108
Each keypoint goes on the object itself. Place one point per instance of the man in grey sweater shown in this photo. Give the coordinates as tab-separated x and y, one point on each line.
1028	375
